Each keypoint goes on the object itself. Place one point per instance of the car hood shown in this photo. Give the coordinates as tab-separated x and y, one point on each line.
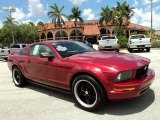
112	60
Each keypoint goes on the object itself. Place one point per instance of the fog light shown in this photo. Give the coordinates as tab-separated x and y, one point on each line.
123	89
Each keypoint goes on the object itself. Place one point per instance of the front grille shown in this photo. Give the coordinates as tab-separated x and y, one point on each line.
141	72
108	46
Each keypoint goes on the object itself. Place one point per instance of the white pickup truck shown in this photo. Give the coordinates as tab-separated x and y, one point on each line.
109	42
4	52
139	42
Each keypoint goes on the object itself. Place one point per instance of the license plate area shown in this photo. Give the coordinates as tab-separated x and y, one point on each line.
140	46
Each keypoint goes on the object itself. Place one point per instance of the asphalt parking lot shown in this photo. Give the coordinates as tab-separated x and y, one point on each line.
38	103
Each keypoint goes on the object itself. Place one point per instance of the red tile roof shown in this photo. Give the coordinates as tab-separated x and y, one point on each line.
91	26
91	30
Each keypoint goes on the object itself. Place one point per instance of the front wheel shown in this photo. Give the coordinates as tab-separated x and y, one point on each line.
87	92
148	49
18	78
130	50
117	50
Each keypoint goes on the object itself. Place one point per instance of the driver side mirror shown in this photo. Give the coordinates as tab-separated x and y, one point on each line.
47	55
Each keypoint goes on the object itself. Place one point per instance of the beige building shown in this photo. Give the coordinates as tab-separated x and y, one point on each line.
89	29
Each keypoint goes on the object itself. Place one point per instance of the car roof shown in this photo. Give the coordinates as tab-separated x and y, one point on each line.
109	36
50	41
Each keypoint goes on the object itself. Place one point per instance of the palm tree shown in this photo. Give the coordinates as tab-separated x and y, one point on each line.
35	29
106	15
122	12
76	15
11	21
42	26
57	16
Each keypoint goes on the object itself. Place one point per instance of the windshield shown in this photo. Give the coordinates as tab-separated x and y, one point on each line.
108	37
137	36
69	48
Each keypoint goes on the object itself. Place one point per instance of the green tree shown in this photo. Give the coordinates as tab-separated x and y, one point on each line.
11	22
76	15
35	29
122	13
106	15
57	16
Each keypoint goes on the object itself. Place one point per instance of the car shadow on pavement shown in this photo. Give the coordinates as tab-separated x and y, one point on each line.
113	108
51	92
128	107
139	51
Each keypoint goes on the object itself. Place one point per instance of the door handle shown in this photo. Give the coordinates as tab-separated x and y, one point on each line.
29	61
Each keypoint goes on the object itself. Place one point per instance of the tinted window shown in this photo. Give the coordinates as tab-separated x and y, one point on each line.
24	46
68	48
15	46
112	37
36	50
22	52
137	36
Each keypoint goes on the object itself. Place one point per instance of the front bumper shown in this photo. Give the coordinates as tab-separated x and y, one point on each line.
132	89
140	46
115	47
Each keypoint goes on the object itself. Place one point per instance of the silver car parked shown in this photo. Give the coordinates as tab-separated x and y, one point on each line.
109	42
17	47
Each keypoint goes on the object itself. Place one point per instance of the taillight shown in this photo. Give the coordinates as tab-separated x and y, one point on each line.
130	42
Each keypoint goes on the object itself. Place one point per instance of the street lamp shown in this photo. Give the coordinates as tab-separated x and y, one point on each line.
11	10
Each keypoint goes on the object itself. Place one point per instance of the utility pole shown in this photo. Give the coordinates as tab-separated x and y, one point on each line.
151	18
11	10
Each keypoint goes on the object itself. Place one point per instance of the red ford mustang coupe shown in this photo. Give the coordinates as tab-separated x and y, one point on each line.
91	76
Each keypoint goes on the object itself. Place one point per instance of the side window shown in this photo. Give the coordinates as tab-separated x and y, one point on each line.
15	46
22	51
45	48
23	46
34	50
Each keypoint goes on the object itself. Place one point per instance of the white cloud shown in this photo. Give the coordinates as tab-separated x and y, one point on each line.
98	1
78	2
89	14
35	8
1	11
135	2
149	1
1	24
144	18
18	14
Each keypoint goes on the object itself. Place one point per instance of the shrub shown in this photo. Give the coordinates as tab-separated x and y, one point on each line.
123	41
155	43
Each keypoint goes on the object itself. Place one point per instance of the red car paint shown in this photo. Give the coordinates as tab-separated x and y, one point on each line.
104	66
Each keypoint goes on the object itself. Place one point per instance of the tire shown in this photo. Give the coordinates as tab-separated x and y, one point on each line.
130	50
88	93
148	49
5	59
18	77
117	50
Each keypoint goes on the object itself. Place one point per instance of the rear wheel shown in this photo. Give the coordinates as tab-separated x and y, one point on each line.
87	92
117	50
18	78
130	50
148	49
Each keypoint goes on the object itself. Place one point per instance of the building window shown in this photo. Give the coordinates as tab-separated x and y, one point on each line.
61	35
50	36
73	35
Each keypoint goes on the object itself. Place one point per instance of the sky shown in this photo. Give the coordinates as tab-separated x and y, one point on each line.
36	10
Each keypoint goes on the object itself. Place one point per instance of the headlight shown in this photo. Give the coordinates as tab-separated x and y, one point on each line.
124	76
